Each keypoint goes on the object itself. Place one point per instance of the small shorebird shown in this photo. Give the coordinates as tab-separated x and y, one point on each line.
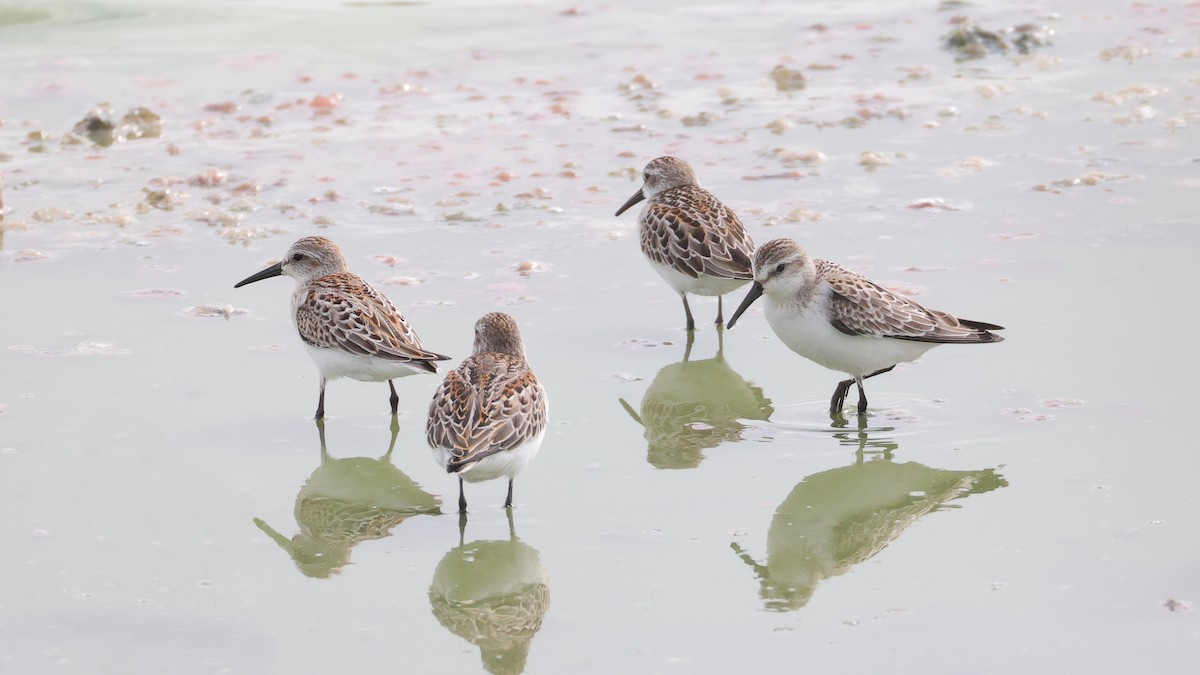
350	329
692	240
489	417
846	322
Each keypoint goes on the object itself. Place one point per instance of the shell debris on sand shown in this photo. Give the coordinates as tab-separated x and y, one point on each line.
213	311
620	377
642	343
787	79
153	293
529	267
81	349
874	159
30	255
273	348
932	204
401	281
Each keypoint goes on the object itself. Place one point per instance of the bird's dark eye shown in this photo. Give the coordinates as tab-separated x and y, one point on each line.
298	257
779	268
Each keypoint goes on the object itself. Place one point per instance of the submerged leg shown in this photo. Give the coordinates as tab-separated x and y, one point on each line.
691	323
508	499
462	499
394	400
862	395
321	434
839	396
843	388
395	429
321	402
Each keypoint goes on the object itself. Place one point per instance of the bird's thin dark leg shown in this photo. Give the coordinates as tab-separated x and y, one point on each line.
508	499
462	498
720	311
394	400
691	323
839	396
687	350
862	397
880	371
843	388
321	402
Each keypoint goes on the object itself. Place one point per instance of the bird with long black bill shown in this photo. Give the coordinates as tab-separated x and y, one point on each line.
349	328
694	242
846	322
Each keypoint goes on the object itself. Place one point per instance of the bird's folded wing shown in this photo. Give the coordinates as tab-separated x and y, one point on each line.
859	306
488	404
697	236
342	312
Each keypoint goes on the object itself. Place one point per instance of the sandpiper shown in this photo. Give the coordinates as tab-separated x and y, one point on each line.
696	243
846	322
350	329
489	417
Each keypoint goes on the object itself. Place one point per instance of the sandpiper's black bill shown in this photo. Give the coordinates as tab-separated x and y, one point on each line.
637	197
755	291
272	271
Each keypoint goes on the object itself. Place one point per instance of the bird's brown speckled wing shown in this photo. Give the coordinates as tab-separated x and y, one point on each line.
859	306
491	403
691	231
344	312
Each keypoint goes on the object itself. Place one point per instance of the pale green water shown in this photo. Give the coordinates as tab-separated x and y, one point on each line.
1026	507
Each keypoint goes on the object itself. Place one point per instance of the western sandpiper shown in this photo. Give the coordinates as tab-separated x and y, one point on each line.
692	240
846	322
489	417
350	329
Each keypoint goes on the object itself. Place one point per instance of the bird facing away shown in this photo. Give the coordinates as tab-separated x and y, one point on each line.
349	328
489	417
696	243
846	322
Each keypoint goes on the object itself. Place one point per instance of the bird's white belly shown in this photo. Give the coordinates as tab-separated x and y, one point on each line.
702	285
334	364
501	464
807	331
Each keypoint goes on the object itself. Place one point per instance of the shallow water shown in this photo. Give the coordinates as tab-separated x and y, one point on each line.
170	507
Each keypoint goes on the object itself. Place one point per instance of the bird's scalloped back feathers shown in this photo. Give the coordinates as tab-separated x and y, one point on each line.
491	403
860	306
688	229
344	312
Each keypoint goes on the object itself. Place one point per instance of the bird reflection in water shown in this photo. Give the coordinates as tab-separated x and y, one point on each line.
346	501
493	594
838	518
692	406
